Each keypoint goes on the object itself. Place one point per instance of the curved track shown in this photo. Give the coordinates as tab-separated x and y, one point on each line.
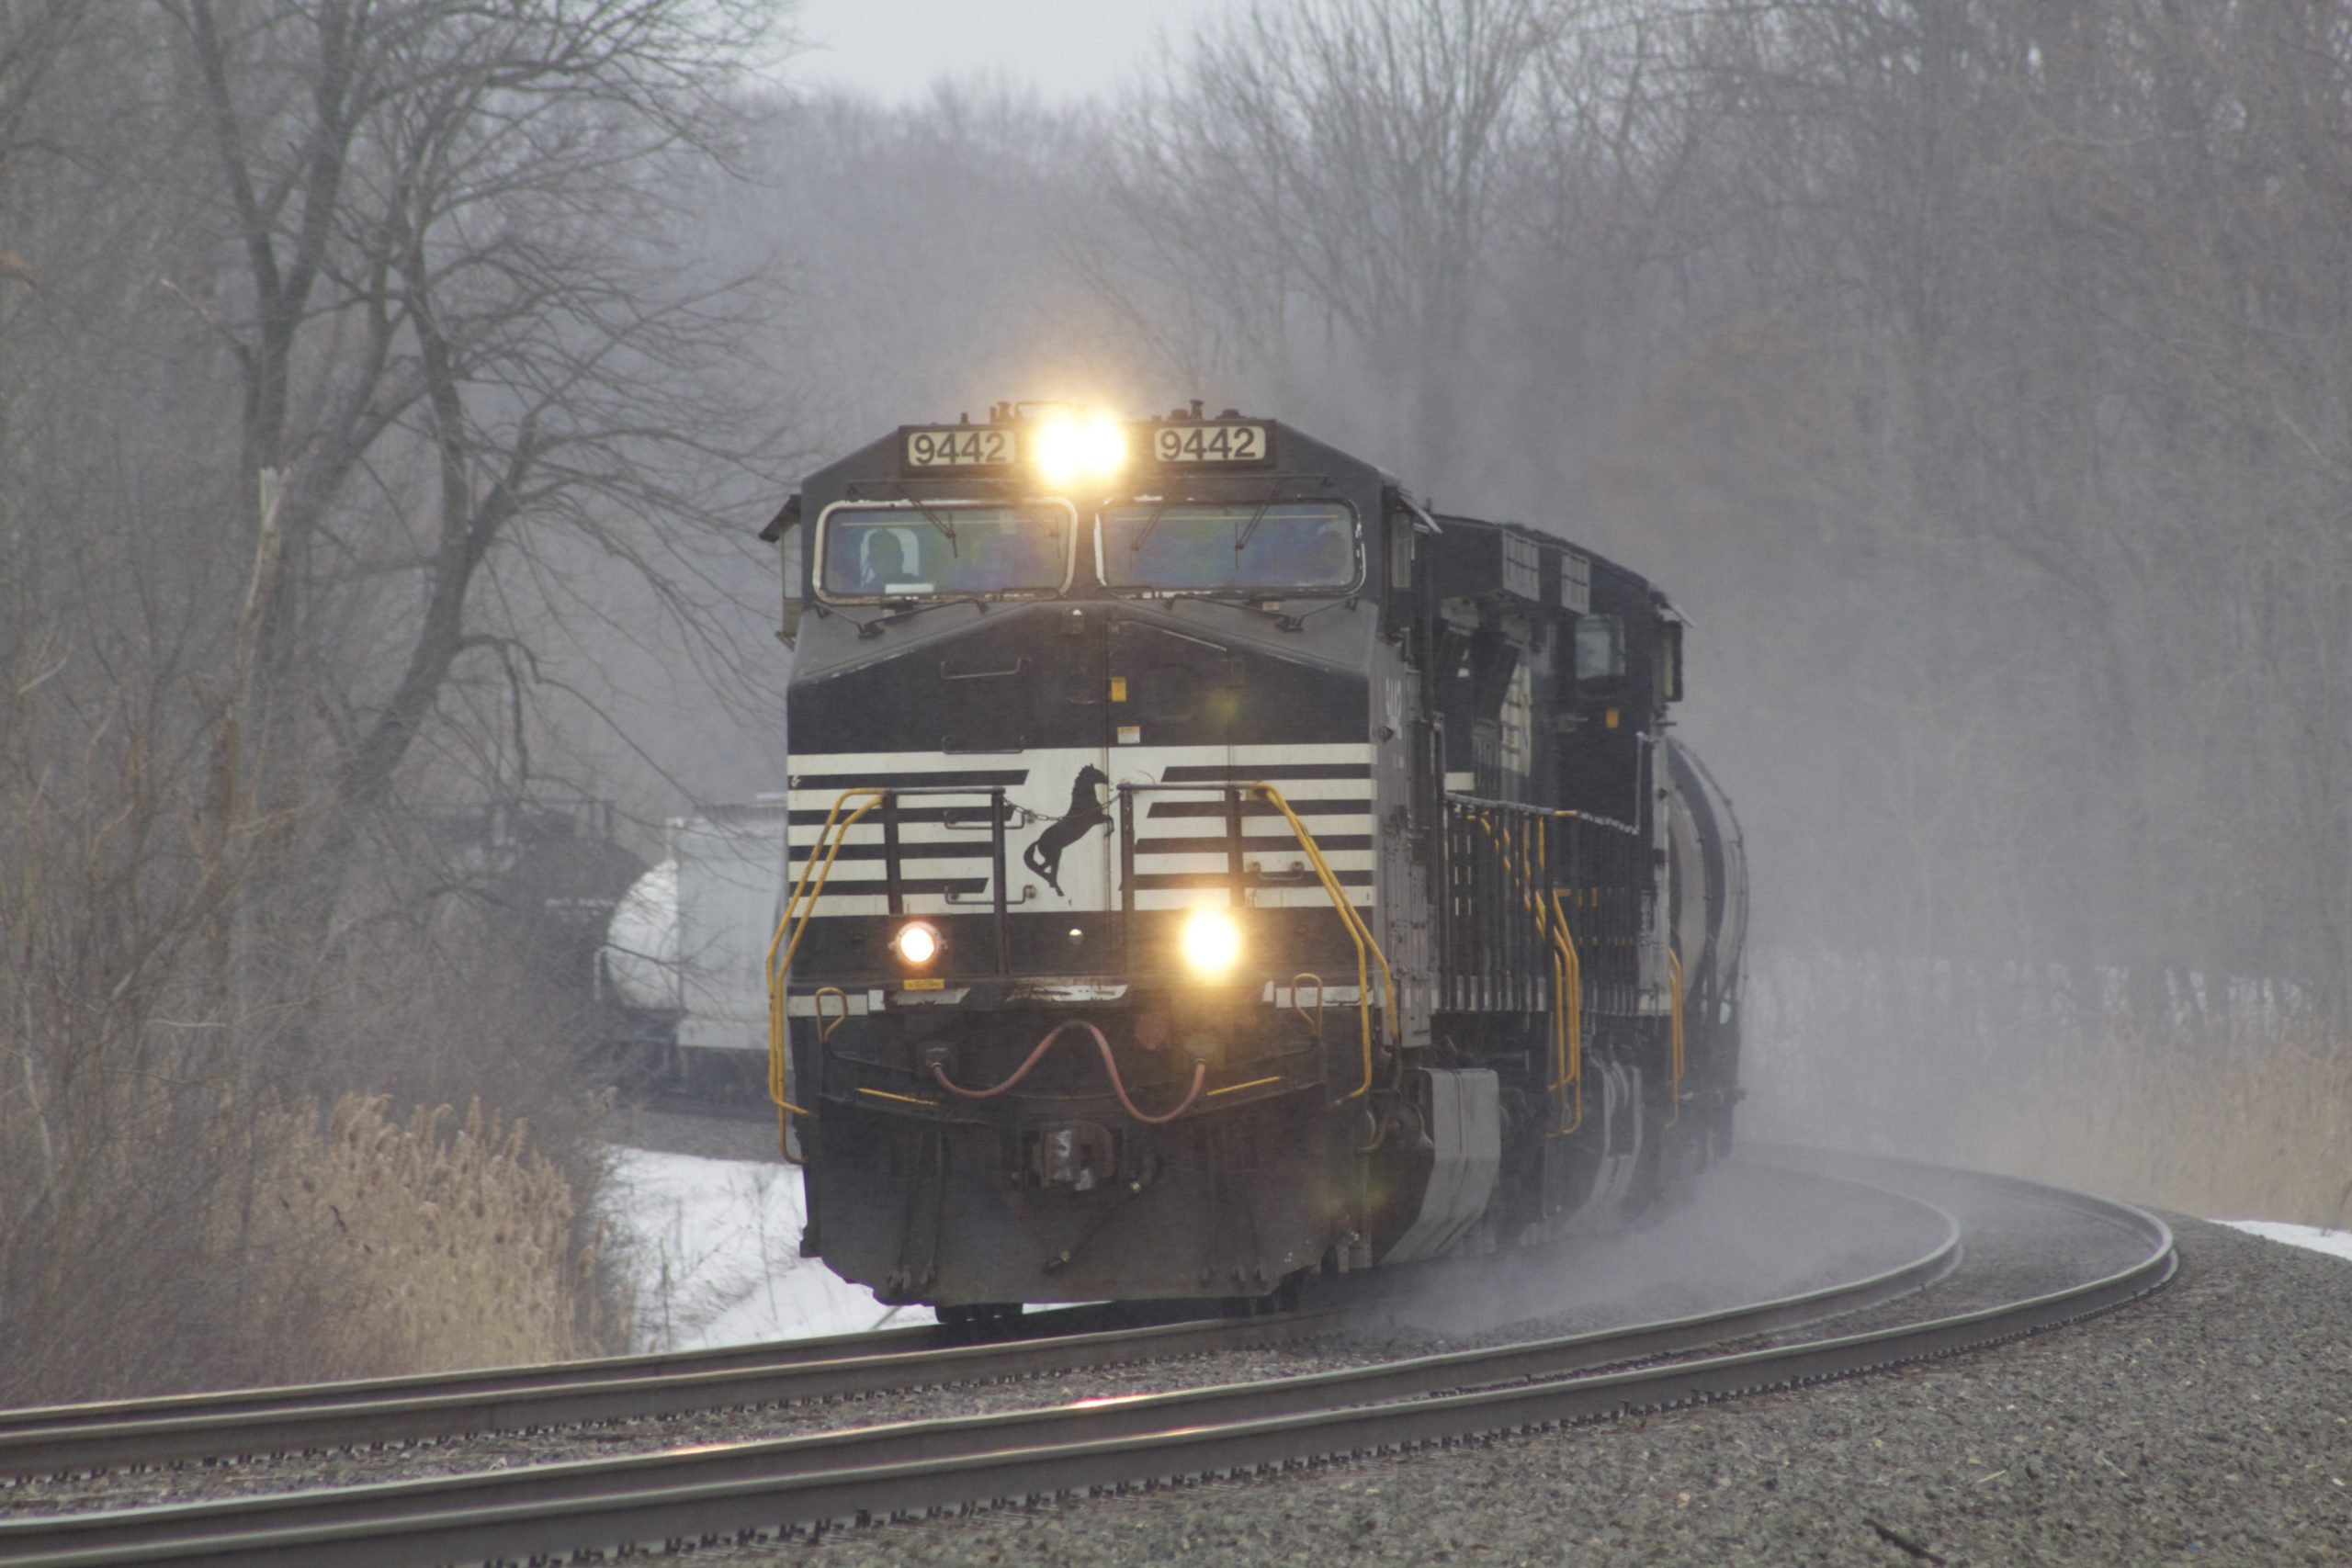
89	1439
734	1491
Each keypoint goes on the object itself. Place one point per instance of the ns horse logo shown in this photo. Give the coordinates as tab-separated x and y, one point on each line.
1043	856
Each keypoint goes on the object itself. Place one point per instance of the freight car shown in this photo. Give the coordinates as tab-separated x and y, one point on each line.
1207	866
683	967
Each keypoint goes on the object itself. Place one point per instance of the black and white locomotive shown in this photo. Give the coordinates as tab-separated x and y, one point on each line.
1207	866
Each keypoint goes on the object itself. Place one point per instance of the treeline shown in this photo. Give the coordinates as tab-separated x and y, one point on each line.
336	335
1978	374
388	389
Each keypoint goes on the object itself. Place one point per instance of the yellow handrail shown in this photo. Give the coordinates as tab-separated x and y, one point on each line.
834	833
1528	896
825	1026
778	1086
1531	891
1552	930
1674	1035
1568	1020
1357	929
1316	1022
1564	963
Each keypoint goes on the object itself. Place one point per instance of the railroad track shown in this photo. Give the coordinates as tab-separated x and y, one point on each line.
92	1439
724	1492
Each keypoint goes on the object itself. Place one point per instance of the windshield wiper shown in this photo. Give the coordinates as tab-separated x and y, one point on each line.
1258	599
936	520
906	608
1239	598
1256	517
1136	545
906	493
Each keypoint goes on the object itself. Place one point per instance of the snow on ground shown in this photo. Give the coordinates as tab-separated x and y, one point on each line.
715	1251
2337	1242
715	1254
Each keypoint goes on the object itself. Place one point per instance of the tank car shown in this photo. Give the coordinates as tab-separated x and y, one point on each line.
684	955
1207	865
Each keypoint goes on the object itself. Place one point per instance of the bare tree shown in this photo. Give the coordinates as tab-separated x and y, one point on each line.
461	328
2245	380
337	339
1349	161
2062	264
1975	367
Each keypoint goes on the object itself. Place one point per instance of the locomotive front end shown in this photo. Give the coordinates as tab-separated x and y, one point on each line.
1080	993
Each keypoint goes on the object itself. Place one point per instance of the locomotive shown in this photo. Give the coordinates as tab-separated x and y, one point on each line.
1207	866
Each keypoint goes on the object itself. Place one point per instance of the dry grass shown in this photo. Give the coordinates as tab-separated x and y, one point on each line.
202	1245
2236	1128
454	1238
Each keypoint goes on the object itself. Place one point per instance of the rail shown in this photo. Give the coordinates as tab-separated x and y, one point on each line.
236	1423
879	1471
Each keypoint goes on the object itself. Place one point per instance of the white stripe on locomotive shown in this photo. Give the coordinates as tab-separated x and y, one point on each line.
1041	782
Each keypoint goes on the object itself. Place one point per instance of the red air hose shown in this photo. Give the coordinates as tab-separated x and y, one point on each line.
1109	1065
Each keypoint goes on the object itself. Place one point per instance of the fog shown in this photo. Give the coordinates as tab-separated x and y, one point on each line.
1747	1233
1972	376
1976	376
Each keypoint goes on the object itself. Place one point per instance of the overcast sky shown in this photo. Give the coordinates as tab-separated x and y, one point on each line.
1068	48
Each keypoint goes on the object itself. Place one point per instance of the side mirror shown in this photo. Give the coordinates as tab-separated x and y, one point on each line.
782	531
788	551
1401	519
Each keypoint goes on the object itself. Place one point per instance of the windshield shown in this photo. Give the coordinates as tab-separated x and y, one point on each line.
876	552
1286	544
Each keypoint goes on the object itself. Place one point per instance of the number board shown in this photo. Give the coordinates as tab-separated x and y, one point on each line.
1211	444
960	446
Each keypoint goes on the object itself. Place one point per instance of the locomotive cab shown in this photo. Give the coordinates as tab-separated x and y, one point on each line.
1190	840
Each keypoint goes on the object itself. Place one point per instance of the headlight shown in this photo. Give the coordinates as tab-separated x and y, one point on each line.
1068	448
1211	943
917	942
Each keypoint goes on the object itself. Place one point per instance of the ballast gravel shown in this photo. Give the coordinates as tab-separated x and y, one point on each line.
2210	1424
1451	1305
